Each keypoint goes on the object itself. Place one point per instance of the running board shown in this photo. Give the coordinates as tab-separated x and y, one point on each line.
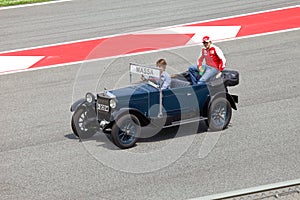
186	121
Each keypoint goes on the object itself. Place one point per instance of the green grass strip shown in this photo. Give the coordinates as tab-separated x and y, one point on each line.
19	2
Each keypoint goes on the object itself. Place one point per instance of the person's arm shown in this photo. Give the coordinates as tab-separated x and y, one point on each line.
220	54
166	80
200	59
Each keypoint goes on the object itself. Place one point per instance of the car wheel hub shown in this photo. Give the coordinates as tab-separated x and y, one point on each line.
82	122
219	115
126	134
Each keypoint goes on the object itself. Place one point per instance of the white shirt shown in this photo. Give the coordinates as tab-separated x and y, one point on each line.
165	80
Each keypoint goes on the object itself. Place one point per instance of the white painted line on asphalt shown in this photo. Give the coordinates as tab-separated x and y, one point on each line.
139	53
249	190
32	4
216	32
13	63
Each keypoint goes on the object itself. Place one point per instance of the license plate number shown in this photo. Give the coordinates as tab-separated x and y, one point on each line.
103	107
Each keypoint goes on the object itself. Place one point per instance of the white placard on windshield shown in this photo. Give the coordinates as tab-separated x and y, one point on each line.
148	71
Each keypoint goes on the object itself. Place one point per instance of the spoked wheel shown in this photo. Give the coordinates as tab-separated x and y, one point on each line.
126	131
219	114
83	123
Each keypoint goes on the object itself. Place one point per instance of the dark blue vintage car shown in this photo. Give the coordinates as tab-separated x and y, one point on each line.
125	112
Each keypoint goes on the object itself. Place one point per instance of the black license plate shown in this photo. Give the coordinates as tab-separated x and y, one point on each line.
103	107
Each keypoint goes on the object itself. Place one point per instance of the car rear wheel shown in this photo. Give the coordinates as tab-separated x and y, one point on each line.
126	131
83	123
219	114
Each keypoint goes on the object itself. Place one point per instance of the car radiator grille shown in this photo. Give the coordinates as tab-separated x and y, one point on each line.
103	108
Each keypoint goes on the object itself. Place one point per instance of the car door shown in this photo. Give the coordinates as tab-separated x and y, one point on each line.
179	101
202	93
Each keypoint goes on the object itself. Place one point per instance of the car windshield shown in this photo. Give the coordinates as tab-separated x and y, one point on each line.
153	83
148	74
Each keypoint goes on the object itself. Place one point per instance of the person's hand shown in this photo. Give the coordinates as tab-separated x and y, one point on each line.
201	70
143	78
219	75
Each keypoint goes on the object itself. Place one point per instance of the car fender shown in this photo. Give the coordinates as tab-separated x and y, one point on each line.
233	99
77	104
124	111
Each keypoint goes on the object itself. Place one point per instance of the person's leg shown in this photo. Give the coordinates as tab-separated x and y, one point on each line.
194	74
208	73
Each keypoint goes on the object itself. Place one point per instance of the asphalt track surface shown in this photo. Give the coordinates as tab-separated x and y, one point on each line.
40	158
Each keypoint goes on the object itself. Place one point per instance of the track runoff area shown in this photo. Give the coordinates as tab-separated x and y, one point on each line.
221	29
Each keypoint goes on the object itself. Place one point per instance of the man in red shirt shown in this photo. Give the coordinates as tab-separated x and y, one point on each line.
214	62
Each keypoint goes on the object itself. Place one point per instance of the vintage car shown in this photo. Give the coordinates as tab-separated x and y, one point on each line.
125	112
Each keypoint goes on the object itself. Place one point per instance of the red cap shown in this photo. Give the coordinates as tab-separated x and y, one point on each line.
206	39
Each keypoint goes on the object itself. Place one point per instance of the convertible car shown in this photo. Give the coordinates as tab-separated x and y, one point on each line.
125	112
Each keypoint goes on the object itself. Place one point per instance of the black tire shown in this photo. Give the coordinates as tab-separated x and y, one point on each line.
219	114
74	128
79	122
126	131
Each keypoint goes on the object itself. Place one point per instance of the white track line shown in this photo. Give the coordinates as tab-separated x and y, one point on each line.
139	53
32	4
250	190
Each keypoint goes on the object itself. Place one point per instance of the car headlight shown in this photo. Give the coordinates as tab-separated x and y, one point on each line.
89	97
113	103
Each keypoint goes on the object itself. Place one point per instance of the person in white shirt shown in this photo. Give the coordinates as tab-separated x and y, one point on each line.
165	78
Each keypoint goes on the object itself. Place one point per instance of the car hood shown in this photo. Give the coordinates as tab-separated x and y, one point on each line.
137	90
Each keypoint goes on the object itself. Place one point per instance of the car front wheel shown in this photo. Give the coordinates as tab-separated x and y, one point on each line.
219	114
126	131
83	123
